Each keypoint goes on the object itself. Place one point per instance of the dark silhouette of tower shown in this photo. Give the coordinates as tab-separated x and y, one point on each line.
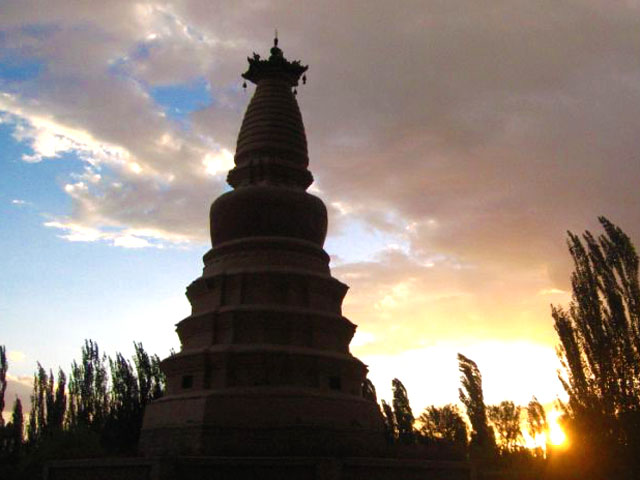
264	386
265	367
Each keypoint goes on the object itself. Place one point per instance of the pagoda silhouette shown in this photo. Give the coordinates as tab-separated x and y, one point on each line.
264	386
265	366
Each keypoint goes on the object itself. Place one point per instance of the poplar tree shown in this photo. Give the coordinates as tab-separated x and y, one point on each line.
402	413
151	380
472	397
369	390
38	416
536	418
505	418
4	366
16	427
443	424
124	419
88	394
390	427
600	339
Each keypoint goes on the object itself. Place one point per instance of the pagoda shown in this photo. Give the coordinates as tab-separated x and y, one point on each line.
264	386
264	367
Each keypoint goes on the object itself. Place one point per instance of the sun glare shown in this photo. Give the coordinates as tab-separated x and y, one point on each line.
557	437
554	436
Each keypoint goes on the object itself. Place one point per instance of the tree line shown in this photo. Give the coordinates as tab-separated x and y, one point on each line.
474	431
96	410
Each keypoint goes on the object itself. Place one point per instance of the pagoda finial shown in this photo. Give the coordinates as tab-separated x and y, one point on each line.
275	66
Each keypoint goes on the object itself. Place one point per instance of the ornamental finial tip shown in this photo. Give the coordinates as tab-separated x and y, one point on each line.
275	65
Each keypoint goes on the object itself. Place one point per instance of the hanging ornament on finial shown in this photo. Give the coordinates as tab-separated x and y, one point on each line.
304	79
295	91
244	85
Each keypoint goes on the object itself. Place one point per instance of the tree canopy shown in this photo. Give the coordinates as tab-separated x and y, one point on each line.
600	339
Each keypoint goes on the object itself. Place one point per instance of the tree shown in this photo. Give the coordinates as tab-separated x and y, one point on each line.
471	396
506	422
402	413
57	405
124	419
16	427
390	427
600	341
151	380
38	416
536	418
11	434
444	424
369	390
537	422
88	394
4	366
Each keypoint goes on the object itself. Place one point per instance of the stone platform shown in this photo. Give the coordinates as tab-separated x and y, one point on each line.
257	468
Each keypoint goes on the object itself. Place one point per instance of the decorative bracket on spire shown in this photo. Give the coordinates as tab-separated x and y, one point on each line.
275	66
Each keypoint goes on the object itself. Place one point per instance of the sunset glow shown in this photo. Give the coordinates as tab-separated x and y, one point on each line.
554	436
557	437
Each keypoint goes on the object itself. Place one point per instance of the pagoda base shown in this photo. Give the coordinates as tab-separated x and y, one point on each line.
257	468
262	422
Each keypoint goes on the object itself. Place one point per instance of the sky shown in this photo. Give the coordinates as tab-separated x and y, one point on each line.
453	142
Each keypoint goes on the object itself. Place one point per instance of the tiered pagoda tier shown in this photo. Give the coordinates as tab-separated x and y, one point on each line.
265	367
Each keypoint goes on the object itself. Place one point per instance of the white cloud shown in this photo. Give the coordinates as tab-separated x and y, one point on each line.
126	238
16	356
220	162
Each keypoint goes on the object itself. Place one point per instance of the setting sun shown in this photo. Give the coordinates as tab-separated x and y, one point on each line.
554	435
557	437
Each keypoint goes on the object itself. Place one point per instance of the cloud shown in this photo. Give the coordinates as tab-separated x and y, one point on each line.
470	137
18	387
16	356
480	120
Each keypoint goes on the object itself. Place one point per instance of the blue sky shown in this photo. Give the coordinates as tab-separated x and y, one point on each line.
453	147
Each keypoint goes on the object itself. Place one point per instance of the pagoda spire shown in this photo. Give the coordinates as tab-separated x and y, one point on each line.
275	65
272	143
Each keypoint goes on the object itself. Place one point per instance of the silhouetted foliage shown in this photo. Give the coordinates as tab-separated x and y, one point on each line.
151	380
536	418
104	416
88	396
444	424
3	379
537	422
402	413
56	402
48	405
505	418
600	342
390	427
11	434
37	417
131	390
472	397
123	420
15	431
369	390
